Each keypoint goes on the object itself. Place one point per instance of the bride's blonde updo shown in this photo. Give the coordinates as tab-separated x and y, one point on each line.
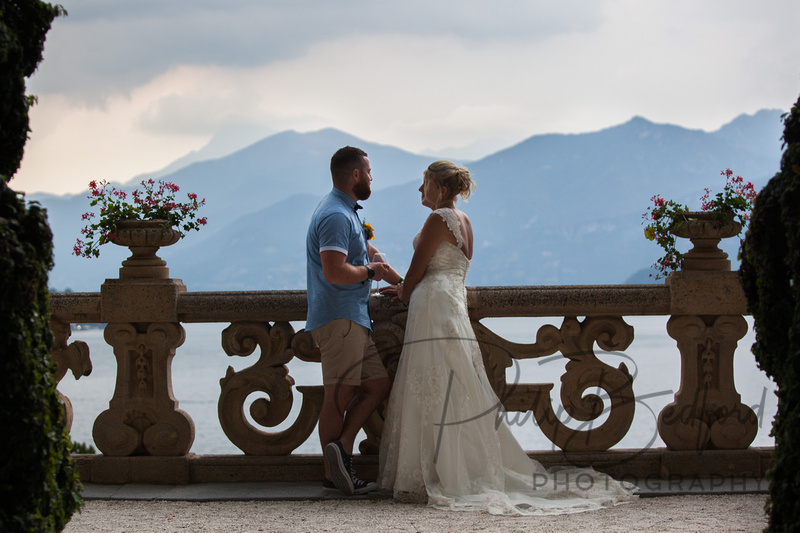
455	178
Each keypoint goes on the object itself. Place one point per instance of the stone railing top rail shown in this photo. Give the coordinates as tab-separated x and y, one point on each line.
676	297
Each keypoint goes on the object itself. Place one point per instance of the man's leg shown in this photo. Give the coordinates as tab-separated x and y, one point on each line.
341	370
332	416
373	392
375	386
338	453
349	357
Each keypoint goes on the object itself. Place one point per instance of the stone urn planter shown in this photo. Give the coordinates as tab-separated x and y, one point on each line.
144	238
705	229
140	310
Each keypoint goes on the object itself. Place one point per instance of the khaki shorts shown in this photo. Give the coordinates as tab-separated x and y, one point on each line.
349	356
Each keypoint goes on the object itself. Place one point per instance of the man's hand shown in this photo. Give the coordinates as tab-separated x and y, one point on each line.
381	270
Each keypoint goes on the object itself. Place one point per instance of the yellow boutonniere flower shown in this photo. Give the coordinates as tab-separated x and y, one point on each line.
369	233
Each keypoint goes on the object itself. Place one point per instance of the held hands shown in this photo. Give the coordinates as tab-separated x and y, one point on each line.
381	270
384	272
393	291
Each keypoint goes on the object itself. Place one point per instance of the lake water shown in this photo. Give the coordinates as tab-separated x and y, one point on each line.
652	359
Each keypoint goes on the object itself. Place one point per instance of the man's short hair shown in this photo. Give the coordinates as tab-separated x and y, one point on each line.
344	161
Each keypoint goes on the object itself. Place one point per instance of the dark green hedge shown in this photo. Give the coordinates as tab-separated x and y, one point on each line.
770	276
39	489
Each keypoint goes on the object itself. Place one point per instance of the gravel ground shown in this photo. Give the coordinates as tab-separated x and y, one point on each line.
741	512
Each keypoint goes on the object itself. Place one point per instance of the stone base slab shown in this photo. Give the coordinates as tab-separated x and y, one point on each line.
658	463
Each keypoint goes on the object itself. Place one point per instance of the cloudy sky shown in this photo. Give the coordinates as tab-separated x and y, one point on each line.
129	86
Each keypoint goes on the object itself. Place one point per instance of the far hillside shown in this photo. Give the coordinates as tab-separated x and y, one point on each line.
551	210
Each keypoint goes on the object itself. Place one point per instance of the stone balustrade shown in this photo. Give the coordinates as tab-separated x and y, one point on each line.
144	313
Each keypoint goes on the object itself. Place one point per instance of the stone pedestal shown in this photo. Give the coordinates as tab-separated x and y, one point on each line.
707	411
707	303
143	416
141	312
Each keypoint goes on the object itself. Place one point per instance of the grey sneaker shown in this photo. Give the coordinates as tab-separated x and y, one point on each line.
341	467
362	487
342	472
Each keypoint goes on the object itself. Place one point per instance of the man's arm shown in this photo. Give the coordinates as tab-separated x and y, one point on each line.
392	276
338	271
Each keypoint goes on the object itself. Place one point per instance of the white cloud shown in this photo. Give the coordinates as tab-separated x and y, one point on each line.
109	45
125	90
72	145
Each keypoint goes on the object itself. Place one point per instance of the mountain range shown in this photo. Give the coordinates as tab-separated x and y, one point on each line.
555	209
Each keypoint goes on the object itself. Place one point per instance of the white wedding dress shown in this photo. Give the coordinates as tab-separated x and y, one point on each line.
442	440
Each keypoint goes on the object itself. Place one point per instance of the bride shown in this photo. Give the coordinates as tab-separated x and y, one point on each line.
442	440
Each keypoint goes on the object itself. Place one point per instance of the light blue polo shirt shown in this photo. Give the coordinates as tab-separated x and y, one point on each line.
336	226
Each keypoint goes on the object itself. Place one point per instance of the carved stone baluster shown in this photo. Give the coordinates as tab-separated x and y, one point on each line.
707	411
706	304
143	416
73	357
583	372
141	313
278	344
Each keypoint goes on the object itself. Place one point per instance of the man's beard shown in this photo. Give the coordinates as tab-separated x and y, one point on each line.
362	190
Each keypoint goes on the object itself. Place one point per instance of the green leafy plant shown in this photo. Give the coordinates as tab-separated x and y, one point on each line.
735	202
155	201
770	272
39	486
82	447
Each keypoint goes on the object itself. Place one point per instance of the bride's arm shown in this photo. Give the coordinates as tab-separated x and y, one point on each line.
392	276
433	232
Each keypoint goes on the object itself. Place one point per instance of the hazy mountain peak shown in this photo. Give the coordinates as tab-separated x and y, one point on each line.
638	121
553	209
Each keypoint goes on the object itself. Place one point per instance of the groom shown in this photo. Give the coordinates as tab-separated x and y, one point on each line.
339	276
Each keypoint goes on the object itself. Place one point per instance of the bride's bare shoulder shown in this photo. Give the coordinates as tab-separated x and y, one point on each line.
435	222
463	218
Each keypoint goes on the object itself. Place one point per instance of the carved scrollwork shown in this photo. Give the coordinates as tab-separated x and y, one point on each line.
74	356
242	338
278	344
388	337
583	372
498	352
304	347
575	340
